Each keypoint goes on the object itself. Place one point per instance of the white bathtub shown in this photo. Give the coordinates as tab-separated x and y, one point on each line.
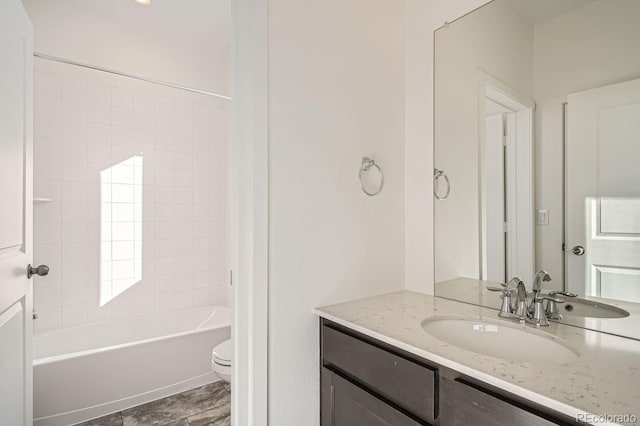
85	372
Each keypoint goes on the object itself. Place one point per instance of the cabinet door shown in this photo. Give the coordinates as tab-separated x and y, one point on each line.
345	404
462	405
404	383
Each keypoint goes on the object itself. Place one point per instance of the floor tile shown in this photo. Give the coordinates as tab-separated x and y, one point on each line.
109	420
206	405
169	410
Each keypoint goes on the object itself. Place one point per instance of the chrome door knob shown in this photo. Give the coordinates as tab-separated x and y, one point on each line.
40	271
578	250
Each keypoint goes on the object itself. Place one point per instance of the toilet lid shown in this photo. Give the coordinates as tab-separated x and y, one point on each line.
222	353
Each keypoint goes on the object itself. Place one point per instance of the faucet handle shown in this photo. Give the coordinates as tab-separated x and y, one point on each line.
506	310
550	298
562	293
503	289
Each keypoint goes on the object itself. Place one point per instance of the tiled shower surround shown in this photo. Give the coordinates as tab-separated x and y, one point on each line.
130	208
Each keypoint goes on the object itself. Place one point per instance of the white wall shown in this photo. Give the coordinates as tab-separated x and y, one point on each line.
87	128
336	93
602	39
496	40
184	42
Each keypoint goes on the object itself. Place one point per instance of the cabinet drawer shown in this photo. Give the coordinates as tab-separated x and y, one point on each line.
462	404
345	404
404	383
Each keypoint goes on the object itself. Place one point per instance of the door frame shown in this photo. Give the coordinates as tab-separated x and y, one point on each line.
488	84
250	204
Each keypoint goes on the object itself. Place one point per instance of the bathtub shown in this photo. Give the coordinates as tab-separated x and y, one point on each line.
85	372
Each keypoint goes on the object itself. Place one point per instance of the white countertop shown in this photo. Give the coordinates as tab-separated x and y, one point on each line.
605	379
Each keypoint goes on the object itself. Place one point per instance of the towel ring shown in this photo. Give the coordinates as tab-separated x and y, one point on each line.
367	163
437	174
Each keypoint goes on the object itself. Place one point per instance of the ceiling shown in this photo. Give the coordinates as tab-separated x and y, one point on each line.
144	39
537	11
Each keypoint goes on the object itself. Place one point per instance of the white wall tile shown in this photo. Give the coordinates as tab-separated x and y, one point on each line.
155	246
74	88
202	297
48	254
183	281
164	284
47	168
47	105
74	170
47	147
121	97
164	302
74	211
74	294
48	319
74	108
47	296
47	212
47	232
122	117
46	83
74	273
74	315
45	125
183	299
98	133
96	313
74	129
74	252
74	191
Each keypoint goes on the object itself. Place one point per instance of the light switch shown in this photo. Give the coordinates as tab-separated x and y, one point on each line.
543	217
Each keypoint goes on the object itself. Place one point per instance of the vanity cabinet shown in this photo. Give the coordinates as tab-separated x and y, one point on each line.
346	403
368	382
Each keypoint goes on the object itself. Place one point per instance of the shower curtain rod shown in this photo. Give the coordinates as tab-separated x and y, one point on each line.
122	74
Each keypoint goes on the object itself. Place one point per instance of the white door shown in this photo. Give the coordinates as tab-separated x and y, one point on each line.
16	291
603	187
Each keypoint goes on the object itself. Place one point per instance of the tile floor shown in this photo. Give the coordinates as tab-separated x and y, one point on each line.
206	405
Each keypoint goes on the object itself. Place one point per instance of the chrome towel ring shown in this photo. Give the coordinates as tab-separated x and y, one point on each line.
367	163
437	174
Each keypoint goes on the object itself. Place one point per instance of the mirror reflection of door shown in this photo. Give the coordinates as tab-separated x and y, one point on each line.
507	228
603	192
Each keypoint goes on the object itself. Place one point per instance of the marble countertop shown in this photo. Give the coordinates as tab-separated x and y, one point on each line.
470	290
604	380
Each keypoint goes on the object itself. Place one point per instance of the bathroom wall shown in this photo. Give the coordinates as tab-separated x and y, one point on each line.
594	29
134	180
122	35
336	93
498	41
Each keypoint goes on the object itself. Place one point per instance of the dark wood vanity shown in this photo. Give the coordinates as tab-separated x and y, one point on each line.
370	383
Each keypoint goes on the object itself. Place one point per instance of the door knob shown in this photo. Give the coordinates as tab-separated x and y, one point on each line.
578	250
40	271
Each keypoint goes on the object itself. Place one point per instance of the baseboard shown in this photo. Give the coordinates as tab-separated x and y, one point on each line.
77	416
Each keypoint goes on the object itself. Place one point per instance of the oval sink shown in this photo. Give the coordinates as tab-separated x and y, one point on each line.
511	342
576	307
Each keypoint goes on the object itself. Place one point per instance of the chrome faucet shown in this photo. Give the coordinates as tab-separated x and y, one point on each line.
534	314
541	276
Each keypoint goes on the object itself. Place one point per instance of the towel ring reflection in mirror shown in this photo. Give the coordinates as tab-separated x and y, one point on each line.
366	165
437	174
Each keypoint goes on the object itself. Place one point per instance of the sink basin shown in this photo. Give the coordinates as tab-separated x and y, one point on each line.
511	342
576	307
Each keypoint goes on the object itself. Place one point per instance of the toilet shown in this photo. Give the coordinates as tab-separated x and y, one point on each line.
221	360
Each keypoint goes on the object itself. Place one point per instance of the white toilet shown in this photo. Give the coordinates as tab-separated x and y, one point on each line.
221	360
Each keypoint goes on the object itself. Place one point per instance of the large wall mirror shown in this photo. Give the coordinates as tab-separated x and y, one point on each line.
537	156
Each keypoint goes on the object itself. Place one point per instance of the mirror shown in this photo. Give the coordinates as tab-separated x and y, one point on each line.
537	156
